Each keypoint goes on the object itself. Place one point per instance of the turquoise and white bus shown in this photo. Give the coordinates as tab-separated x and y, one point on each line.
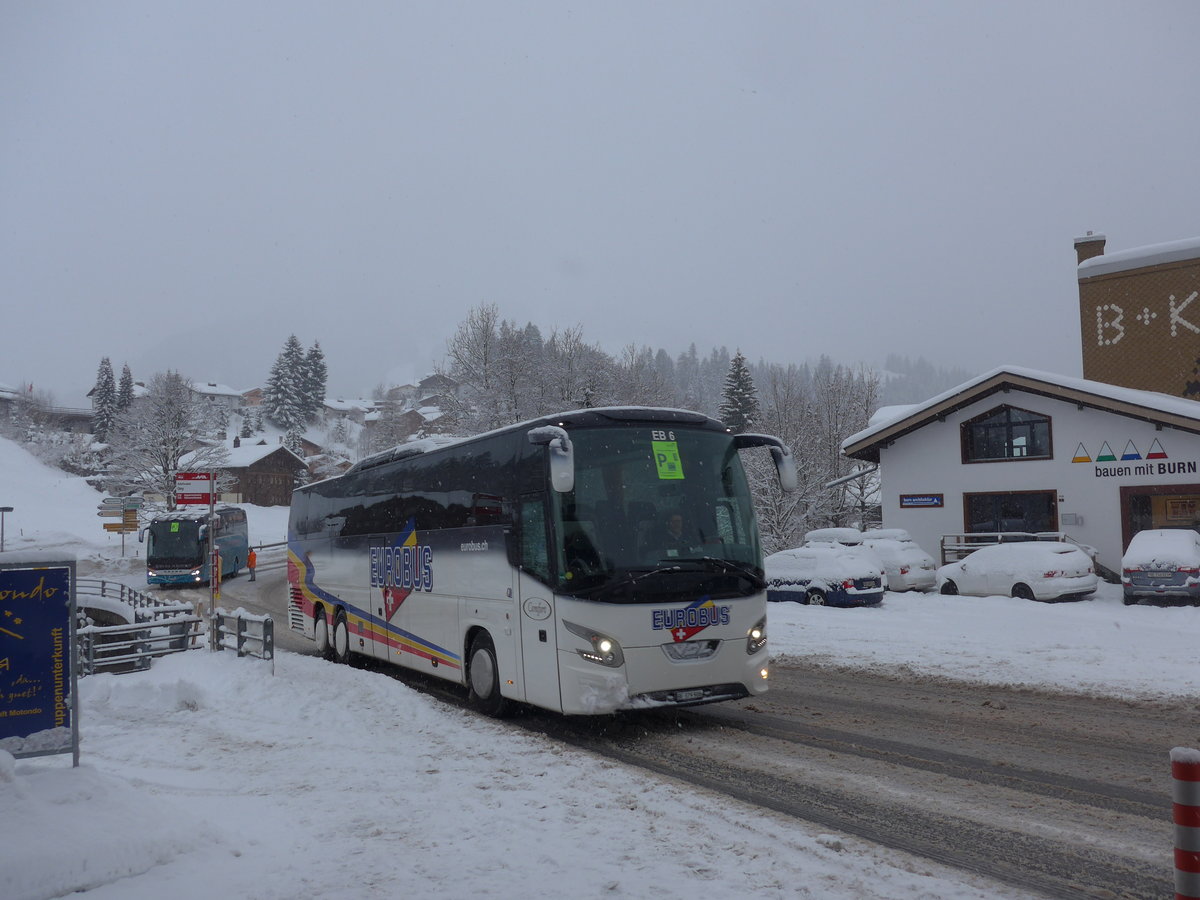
534	563
177	550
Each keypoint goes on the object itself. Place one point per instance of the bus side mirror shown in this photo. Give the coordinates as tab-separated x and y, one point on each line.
141	535
562	455
785	463
203	532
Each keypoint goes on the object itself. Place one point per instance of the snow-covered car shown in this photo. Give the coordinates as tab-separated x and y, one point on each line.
907	566
848	536
1032	570
1162	563
824	574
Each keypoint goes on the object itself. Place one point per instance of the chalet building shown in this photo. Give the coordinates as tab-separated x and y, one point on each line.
354	410
265	473
1027	451
218	395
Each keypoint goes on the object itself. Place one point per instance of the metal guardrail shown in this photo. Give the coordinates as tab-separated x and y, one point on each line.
131	648
158	628
145	606
248	634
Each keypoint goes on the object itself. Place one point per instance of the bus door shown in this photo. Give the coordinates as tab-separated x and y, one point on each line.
535	601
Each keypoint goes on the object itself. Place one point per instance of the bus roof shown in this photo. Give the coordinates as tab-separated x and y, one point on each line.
575	418
182	515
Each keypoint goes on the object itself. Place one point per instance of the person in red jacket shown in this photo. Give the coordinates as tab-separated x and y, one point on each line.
251	562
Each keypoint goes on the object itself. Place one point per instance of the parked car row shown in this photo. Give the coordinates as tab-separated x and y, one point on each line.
848	567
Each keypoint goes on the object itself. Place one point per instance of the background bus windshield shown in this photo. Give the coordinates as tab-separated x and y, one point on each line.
179	541
653	498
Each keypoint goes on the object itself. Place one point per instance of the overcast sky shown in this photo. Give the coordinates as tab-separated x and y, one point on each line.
185	184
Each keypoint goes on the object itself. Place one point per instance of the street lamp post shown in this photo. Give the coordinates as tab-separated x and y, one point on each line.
3	510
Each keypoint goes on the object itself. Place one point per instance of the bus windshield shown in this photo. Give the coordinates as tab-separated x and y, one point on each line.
649	506
174	542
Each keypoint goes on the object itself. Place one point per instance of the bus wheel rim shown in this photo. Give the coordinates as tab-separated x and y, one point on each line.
341	637
482	673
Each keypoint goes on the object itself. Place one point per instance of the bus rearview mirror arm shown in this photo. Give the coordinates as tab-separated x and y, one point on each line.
785	463
562	455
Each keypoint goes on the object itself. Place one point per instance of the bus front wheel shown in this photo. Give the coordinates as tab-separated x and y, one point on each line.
483	678
341	638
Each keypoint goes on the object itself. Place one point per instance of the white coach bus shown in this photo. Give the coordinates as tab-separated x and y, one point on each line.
587	562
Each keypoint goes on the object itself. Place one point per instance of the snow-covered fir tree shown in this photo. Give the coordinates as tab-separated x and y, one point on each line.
284	399
104	401
316	373
739	399
125	389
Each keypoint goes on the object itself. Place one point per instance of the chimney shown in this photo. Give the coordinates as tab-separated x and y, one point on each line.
1088	246
237	441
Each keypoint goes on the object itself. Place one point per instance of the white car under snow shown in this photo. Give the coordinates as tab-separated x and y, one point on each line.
1033	570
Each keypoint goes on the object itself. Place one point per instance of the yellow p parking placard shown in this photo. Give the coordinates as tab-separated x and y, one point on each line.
666	458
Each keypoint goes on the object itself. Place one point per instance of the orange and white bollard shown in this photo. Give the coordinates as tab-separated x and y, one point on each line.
1185	771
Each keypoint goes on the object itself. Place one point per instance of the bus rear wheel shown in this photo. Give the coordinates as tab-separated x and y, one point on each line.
341	638
321	633
483	678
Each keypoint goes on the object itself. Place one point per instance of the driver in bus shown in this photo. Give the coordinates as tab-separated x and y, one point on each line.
673	538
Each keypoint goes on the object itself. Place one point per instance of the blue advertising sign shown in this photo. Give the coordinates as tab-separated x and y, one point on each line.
918	501
37	633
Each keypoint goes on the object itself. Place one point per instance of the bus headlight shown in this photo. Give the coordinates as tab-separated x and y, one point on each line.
605	651
756	637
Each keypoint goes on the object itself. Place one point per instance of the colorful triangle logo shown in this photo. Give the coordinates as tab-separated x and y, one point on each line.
1156	451
1106	454
1081	455
1130	452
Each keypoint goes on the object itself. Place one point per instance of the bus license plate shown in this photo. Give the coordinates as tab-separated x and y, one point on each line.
684	696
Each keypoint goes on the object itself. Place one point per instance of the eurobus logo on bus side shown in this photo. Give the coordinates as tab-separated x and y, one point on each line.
402	568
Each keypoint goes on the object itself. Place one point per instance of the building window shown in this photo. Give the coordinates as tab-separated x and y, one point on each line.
1030	512
1006	433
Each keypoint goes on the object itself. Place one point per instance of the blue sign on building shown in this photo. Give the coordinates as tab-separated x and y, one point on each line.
37	675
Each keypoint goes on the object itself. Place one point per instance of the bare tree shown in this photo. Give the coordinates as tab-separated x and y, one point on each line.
471	360
785	409
150	440
638	381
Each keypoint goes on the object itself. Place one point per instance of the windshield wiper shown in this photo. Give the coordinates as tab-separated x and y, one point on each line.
628	580
729	567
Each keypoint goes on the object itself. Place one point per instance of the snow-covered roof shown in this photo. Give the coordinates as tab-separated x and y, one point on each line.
888	413
248	453
217	390
1140	257
1148	405
354	405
